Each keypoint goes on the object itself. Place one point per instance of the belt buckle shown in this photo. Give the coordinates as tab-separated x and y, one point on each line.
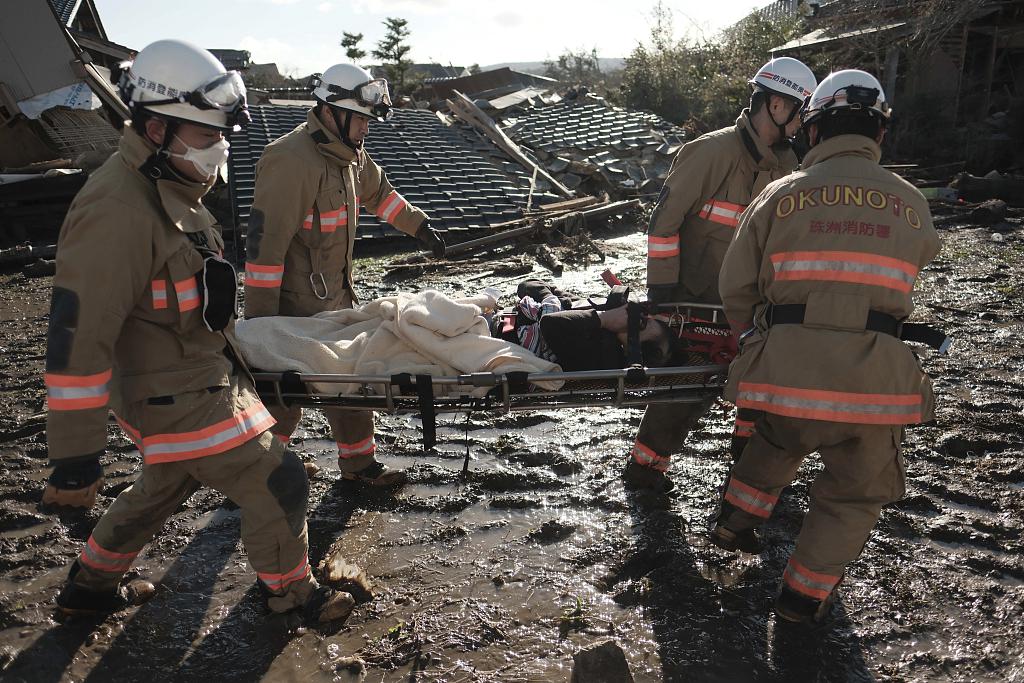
323	283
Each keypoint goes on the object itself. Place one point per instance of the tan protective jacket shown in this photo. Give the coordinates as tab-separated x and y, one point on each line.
309	187
712	180
126	326
842	236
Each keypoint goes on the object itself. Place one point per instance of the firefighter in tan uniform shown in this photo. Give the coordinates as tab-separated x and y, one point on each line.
310	185
712	180
141	321
819	280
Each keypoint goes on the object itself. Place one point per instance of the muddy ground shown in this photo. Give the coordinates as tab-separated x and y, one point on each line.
503	576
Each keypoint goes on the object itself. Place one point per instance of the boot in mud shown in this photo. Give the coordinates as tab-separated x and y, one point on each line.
794	608
377	474
326	605
640	478
746	541
74	600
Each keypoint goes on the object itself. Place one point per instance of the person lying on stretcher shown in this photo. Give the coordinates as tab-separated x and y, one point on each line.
591	338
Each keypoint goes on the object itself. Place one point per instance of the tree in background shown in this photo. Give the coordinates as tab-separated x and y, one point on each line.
575	67
350	41
392	50
703	82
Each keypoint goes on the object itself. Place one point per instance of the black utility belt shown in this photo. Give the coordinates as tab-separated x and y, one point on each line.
793	314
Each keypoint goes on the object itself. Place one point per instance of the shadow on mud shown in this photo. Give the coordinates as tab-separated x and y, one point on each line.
711	612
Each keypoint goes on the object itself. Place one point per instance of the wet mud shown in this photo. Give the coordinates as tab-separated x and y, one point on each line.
503	574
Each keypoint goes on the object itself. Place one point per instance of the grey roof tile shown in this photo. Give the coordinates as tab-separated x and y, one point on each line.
437	167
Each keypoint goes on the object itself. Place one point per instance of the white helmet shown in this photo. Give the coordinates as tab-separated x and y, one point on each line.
180	81
787	77
850	90
352	88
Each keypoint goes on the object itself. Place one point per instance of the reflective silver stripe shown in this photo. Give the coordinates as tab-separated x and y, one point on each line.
267	277
248	424
845	267
796	575
751	500
830	406
78	392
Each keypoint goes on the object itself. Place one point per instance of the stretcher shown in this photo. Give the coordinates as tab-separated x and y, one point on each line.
495	392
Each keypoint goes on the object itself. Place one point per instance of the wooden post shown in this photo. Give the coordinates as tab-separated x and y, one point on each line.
990	71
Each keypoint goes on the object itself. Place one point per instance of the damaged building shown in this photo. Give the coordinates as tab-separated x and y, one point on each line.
954	71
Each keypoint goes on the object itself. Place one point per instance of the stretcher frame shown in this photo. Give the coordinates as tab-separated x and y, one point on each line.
624	388
633	387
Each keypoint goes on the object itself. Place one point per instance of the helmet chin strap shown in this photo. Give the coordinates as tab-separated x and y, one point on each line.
344	128
782	126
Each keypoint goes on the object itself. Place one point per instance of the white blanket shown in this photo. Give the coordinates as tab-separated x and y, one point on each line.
423	334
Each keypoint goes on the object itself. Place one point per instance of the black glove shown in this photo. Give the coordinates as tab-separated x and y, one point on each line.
74	484
661	294
432	239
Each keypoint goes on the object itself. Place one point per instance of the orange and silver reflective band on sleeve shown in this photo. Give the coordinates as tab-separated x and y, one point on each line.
263	276
725	213
391	207
77	392
662	247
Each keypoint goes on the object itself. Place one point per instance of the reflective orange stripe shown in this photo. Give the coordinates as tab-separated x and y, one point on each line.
159	294
648	458
263	276
845	266
367	446
743	428
725	213
662	247
133	434
217	438
391	207
103	560
803	580
329	220
77	392
747	498
187	292
276	582
831	406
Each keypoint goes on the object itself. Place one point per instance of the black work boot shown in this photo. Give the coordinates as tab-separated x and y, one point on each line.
76	600
747	540
377	474
799	609
638	477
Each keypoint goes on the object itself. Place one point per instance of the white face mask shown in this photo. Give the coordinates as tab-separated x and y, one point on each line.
207	160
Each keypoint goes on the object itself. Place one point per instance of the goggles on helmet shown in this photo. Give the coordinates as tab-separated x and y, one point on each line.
856	97
225	93
371	94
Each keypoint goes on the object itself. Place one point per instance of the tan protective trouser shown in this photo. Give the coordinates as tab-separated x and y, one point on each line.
352	429
264	479
864	470
664	429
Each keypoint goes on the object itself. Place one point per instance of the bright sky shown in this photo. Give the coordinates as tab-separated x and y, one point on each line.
302	36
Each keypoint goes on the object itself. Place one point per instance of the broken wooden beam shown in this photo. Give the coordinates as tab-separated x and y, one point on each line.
463	108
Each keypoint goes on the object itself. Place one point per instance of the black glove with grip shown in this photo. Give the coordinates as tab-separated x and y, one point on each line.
432	239
74	484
